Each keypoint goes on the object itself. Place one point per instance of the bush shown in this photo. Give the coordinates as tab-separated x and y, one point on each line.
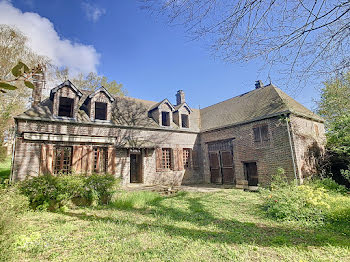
54	192
329	184
316	202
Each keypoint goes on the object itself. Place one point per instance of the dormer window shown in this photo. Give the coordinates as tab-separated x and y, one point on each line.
165	119
100	111
184	121
66	107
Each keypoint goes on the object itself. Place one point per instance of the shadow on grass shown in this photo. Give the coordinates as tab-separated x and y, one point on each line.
209	228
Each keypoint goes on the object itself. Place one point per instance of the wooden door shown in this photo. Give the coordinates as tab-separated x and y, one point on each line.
215	172
135	168
228	176
251	173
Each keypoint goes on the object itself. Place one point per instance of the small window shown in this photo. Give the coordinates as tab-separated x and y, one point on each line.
63	160
166	158
100	111
100	159
186	157
66	107
165	119
184	121
261	133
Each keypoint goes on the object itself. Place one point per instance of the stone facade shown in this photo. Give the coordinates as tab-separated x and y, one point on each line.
264	139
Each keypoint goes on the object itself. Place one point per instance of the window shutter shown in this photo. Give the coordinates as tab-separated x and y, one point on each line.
195	163
257	137
84	159
174	159
43	159
49	158
76	159
158	159
90	160
264	133
111	160
180	159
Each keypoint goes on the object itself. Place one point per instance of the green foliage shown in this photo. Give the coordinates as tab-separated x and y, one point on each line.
329	184
55	192
346	174
335	99
339	135
316	202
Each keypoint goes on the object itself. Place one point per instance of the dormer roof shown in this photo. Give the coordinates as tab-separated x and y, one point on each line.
185	105
165	101
102	89
65	83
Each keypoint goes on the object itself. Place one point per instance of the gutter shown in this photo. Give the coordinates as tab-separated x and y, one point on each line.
13	151
291	149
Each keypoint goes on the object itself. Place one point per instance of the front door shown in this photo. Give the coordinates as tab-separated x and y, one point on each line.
135	168
251	173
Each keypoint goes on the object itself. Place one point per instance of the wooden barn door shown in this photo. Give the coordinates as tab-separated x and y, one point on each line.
135	168
228	176
215	172
221	162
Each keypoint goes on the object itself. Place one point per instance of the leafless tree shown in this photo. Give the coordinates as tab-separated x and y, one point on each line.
301	37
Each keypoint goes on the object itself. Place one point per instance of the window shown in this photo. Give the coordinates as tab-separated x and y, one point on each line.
186	157
100	111
66	107
165	119
63	159
184	121
100	159
261	133
166	158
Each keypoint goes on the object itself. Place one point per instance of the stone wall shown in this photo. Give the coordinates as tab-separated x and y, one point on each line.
29	151
309	142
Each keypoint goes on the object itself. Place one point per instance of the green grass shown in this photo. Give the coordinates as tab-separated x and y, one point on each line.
5	169
143	226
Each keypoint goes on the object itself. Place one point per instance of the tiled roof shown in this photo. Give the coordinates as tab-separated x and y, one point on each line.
260	103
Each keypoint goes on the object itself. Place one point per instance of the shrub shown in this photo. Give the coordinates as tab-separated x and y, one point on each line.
329	184
316	202
53	192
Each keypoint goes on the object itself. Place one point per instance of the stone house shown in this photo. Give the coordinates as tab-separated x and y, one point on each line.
242	140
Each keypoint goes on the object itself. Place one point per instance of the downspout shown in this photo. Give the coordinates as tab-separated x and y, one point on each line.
291	150
13	151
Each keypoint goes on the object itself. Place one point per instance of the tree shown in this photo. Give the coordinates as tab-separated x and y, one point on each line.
90	82
302	37
335	99
16	64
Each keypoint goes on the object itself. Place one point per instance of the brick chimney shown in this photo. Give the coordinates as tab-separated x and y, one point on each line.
180	97
39	83
258	84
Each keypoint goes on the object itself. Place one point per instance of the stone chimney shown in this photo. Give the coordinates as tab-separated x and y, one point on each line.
39	84
258	84
180	97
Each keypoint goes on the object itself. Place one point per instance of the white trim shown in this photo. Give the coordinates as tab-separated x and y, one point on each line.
69	138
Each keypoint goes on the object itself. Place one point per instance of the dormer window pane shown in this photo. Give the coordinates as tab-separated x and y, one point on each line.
165	119
66	107
184	121
100	111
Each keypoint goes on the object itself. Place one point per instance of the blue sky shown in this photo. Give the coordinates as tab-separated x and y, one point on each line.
151	59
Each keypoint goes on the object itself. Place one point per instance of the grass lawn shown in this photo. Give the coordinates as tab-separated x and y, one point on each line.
221	226
143	226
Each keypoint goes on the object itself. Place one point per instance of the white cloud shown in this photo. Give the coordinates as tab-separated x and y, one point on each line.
92	12
44	40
